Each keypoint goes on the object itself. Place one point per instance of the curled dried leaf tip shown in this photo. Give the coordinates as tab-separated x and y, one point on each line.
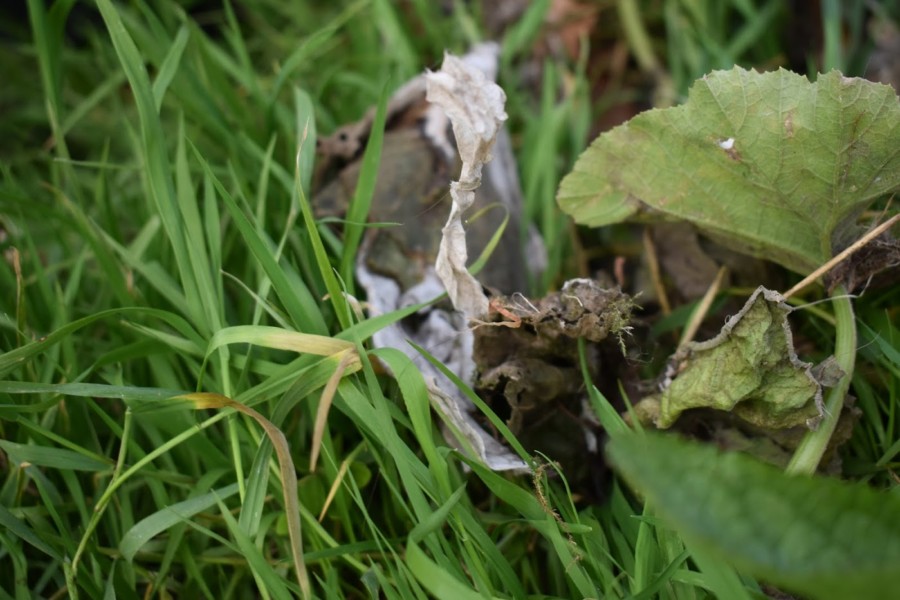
475	106
473	103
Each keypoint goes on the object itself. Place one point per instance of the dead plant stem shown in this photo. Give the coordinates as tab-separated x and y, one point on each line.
841	256
700	312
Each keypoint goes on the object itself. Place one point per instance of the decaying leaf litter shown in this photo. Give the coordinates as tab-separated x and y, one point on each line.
769	165
425	253
397	265
513	349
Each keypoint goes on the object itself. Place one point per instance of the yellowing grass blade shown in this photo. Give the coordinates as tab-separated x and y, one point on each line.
350	357
202	400
279	339
338	479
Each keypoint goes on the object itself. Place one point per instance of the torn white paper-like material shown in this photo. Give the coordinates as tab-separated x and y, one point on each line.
449	340
475	106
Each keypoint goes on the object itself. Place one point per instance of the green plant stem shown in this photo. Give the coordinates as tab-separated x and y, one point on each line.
807	456
638	40
831	27
105	498
641	46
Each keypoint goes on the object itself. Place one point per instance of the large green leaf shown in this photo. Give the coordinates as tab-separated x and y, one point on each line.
768	163
821	537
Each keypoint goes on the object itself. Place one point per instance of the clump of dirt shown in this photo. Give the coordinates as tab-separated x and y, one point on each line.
528	369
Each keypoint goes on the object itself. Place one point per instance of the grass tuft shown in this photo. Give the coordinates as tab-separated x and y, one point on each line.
188	404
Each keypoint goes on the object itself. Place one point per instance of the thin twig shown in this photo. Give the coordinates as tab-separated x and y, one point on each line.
700	312
655	277
840	257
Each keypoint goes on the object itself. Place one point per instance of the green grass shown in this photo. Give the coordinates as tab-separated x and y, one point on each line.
158	227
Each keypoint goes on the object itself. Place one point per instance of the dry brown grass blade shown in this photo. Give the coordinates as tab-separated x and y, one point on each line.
655	274
202	400
349	356
338	479
700	312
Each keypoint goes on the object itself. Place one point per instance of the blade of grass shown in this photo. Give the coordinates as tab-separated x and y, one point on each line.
415	394
269	581
607	414
281	339
153	149
169	66
435	579
358	211
298	301
489	248
20	529
48	33
832	23
347	360
496	421
335	291
15	358
288	477
156	523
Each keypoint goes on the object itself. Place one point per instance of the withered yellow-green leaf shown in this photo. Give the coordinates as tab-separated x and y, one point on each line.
750	369
770	164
